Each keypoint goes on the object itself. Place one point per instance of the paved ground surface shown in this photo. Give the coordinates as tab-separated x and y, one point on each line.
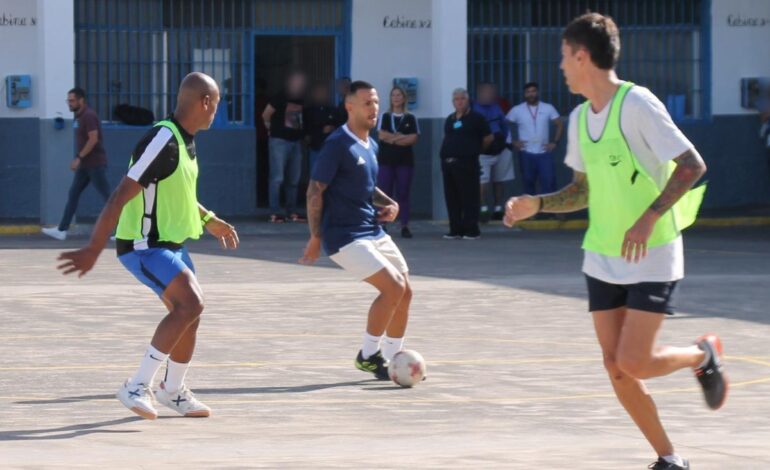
516	379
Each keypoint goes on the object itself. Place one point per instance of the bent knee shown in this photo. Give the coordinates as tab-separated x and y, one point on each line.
612	368
636	367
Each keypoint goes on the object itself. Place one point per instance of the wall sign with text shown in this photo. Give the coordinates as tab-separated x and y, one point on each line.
9	19
402	22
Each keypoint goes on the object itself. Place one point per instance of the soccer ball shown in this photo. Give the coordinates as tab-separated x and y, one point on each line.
407	368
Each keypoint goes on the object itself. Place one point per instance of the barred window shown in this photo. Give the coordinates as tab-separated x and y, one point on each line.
664	46
137	51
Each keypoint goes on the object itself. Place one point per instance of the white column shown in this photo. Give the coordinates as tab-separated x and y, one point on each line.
56	76
449	52
56	56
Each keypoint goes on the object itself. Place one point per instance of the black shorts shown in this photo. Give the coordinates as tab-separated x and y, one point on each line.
653	297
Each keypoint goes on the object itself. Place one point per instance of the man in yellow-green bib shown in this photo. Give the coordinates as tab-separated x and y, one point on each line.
156	210
634	170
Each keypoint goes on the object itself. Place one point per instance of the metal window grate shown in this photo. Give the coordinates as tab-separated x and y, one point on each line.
664	46
137	51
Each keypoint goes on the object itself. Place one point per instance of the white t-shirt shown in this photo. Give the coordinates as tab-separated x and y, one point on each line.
534	123
654	140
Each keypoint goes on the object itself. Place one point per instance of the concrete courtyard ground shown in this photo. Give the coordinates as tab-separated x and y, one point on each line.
515	374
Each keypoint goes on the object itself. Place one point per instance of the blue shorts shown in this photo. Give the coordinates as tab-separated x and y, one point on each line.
157	267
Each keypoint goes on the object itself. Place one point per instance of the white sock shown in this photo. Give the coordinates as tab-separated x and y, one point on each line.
149	366
175	372
371	345
390	346
498	208
484	208
674	458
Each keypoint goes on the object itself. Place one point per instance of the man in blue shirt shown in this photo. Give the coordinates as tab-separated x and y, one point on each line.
345	209
496	161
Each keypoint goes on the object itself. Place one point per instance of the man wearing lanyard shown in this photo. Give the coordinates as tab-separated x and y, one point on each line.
533	119
466	135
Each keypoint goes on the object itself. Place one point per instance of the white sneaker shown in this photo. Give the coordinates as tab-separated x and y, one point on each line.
137	398
182	401
54	232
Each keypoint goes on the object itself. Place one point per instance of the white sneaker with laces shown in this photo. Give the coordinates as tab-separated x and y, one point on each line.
182	401
54	232
137	398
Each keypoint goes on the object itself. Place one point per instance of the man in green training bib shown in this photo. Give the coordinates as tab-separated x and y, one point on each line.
156	210
634	170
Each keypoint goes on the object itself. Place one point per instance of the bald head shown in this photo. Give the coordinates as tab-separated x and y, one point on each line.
197	101
195	86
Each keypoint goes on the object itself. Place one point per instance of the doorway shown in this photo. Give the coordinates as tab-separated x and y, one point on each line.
274	57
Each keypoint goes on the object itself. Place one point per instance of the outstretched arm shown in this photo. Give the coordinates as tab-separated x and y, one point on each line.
570	198
83	260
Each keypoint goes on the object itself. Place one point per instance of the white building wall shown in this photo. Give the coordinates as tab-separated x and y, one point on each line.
19	28
424	39
38	40
740	49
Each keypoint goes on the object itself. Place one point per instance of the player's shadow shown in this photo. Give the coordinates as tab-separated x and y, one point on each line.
69	432
269	390
214	391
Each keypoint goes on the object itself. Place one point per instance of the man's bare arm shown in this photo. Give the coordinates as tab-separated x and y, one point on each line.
380	199
689	169
315	205
570	198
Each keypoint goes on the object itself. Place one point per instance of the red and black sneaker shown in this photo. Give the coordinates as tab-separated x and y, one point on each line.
711	376
276	219
297	218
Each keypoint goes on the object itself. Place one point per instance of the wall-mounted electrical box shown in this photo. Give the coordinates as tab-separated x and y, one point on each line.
17	89
755	93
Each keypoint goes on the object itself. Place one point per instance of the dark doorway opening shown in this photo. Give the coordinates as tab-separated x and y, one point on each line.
275	56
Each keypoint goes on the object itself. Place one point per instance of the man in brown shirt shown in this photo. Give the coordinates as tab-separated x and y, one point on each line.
89	164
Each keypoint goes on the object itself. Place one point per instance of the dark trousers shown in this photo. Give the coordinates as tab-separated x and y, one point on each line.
83	176
462	194
396	182
538	166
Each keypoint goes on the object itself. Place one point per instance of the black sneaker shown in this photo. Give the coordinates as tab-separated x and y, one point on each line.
498	215
405	232
376	364
451	236
711	377
662	464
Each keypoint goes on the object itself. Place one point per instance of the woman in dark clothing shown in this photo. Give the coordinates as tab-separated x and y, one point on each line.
398	132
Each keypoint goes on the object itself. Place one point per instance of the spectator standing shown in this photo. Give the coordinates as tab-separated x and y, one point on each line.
534	119
283	119
497	160
466	135
398	131
321	119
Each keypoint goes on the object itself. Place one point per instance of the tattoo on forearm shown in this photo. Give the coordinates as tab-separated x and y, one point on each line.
380	199
689	168
572	197
315	205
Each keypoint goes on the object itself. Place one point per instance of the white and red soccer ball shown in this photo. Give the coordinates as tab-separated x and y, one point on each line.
407	368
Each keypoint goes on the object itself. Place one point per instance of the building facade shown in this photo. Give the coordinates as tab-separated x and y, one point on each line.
691	53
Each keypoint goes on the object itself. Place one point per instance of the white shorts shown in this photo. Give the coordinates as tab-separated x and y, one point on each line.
364	258
496	168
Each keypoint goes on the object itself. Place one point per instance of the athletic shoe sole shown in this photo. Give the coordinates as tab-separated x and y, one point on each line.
141	412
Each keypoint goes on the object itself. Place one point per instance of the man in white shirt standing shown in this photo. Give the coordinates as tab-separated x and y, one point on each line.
633	171
533	119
